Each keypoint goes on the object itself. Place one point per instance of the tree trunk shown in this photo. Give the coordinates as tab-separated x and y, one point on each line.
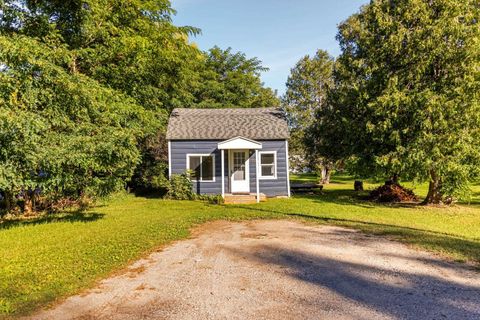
326	175
358	185
434	195
28	206
394	179
8	201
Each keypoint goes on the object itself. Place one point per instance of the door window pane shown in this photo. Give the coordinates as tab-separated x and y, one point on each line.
239	166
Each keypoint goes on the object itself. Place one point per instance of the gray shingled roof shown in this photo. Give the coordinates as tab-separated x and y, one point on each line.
222	124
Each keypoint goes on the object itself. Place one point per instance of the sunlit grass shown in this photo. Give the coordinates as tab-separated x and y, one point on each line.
345	182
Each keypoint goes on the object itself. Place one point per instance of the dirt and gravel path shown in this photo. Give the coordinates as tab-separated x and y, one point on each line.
281	270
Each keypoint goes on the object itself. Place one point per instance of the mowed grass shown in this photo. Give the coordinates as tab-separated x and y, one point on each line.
49	258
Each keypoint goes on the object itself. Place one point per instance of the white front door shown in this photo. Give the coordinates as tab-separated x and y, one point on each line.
239	171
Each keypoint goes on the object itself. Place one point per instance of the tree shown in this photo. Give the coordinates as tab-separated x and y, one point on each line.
60	132
407	93
231	80
307	88
130	46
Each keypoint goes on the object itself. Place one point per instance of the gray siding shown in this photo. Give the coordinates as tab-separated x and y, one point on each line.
178	154
273	187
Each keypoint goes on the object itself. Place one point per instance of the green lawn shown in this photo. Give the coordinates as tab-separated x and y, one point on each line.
46	259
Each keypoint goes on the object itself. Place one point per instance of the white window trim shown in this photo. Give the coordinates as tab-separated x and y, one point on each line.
201	155
261	177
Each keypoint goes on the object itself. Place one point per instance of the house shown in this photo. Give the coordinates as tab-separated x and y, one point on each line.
231	151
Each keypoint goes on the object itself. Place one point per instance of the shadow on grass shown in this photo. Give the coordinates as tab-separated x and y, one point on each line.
304	178
354	198
338	197
149	194
75	216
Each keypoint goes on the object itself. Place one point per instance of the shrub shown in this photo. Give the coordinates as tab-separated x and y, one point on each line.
151	178
213	199
180	187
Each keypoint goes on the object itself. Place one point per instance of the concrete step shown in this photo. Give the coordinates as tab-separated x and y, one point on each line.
243	198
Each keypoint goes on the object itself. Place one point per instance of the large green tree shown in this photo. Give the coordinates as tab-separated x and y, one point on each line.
230	79
407	93
62	132
132	46
128	45
307	88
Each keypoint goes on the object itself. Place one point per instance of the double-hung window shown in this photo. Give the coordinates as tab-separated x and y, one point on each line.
202	167
268	165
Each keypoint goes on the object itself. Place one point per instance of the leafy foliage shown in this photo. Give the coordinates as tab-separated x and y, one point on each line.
180	187
307	88
407	93
232	80
62	132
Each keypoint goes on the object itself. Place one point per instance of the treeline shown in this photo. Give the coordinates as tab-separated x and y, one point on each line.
86	87
402	100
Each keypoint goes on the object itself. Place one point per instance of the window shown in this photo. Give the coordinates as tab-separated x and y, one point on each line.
268	165
202	167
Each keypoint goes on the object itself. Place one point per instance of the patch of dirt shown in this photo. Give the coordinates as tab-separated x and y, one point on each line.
392	193
281	270
136	270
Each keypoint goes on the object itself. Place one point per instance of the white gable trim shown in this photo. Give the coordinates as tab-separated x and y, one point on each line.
240	143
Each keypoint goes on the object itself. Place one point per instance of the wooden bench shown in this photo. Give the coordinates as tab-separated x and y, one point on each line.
305	187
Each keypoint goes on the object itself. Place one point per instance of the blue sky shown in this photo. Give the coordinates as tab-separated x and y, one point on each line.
278	32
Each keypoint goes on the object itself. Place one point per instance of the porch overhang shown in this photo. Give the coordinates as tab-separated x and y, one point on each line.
239	143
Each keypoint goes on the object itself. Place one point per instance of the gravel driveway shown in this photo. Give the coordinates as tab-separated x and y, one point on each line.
281	270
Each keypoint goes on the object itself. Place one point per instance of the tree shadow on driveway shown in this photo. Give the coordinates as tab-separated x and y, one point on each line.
468	249
404	295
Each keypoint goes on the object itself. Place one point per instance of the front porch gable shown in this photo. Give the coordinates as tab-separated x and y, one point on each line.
239	143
